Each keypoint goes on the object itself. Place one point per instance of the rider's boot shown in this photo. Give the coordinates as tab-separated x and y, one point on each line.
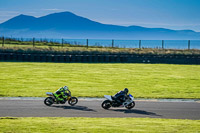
57	98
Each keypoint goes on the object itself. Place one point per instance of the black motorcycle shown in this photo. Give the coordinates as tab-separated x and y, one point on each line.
111	102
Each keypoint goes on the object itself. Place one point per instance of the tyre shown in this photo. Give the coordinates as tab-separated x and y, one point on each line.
72	101
48	101
131	105
106	104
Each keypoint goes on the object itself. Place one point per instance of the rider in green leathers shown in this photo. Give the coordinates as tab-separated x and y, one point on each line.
61	94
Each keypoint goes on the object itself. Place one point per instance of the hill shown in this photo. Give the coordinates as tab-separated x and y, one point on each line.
69	25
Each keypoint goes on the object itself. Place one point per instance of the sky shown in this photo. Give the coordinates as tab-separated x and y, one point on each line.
171	14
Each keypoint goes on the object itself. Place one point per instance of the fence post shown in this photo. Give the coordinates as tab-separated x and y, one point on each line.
188	44
33	42
162	44
112	43
87	43
2	41
62	42
140	44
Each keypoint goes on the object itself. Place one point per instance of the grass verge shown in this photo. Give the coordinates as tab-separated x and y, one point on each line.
95	80
114	125
93	50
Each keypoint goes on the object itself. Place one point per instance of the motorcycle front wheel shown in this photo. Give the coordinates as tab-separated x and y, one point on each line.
106	104
72	101
131	105
48	101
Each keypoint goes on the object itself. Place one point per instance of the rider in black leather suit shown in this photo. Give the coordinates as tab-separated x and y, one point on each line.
121	96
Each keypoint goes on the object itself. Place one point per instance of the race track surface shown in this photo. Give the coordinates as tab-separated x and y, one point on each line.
92	108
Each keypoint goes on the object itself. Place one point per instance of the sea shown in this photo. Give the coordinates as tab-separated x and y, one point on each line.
166	44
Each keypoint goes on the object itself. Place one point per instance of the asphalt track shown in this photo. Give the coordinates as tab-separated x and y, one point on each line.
92	108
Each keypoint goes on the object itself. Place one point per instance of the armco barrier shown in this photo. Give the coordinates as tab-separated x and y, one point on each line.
168	59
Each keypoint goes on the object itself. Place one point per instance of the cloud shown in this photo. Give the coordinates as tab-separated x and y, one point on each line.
53	9
32	12
8	13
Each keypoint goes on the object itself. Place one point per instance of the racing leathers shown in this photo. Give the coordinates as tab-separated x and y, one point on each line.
61	94
120	97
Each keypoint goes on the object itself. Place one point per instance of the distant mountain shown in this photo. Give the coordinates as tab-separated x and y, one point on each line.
69	25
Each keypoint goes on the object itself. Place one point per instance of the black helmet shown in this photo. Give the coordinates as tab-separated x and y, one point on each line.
126	90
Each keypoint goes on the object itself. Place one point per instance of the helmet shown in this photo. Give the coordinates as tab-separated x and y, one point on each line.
126	90
65	88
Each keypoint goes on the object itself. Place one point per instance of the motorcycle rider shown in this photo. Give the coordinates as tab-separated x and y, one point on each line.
61	94
121	96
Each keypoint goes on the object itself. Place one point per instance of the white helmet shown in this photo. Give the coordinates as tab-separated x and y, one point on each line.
65	88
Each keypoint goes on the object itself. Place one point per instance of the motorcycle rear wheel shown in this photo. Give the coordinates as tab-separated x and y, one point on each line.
72	101
49	101
106	104
131	105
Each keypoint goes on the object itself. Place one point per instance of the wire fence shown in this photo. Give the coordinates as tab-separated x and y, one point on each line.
160	44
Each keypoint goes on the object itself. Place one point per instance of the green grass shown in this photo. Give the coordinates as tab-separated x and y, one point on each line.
101	125
96	80
45	46
73	49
